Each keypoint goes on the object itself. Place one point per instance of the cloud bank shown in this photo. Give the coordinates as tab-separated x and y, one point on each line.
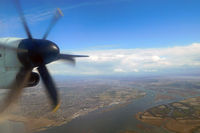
132	61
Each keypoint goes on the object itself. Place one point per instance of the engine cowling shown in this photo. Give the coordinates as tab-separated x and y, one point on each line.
33	80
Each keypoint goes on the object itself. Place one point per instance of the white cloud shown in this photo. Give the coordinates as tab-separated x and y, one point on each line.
156	58
119	70
132	60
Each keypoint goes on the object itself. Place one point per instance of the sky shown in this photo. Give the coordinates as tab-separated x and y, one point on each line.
124	37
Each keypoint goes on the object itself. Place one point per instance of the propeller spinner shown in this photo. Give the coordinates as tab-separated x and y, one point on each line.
36	53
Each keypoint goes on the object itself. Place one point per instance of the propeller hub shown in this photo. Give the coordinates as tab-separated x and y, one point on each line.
40	52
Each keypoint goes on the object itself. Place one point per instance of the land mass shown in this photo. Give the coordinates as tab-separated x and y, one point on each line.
179	117
77	98
81	96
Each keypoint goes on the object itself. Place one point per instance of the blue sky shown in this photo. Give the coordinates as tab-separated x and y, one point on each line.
116	23
97	25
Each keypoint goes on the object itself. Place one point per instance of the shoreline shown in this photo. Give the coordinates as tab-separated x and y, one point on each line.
174	121
43	123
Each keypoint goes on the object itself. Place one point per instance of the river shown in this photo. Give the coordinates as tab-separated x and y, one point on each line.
115	120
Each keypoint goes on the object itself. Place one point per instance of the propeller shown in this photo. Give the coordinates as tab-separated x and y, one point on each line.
49	83
16	88
70	58
56	17
36	53
21	14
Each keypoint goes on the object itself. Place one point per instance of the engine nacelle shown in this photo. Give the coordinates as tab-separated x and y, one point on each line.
33	80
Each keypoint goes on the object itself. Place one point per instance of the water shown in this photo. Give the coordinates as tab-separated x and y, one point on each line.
113	121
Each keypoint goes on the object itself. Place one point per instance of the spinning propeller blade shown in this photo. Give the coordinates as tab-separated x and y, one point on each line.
65	56
70	58
50	86
16	88
21	14
57	15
